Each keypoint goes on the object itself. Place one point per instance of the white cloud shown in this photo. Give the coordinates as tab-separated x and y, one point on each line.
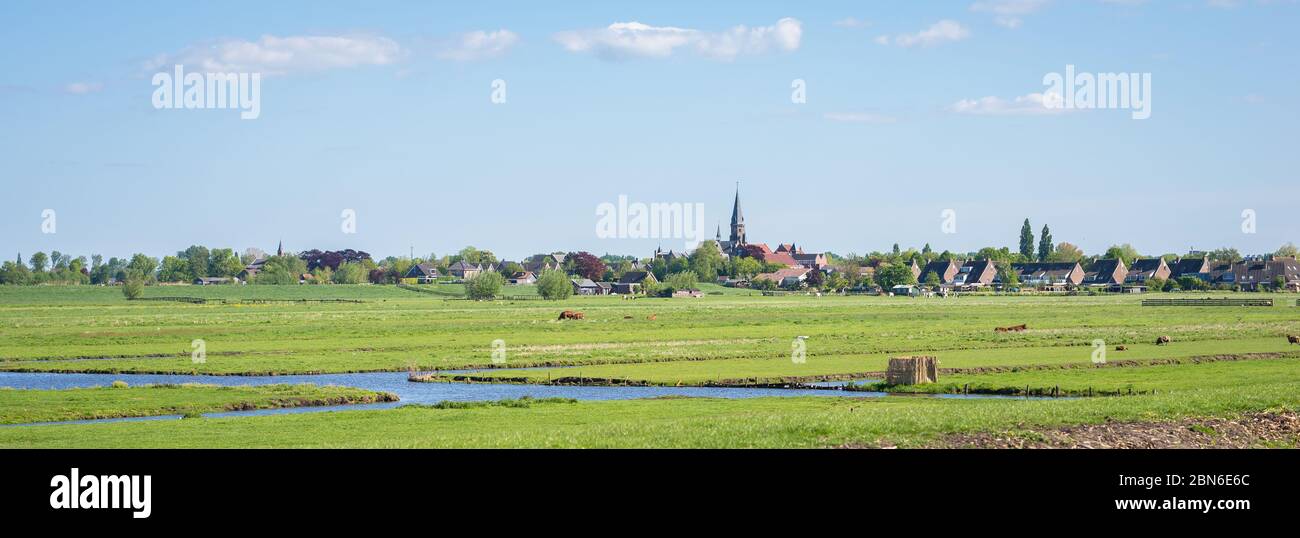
272	55
478	45
82	88
1008	13
625	39
944	31
858	117
1025	105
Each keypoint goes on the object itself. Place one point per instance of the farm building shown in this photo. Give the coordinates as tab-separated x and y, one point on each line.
214	280
1147	269
633	282
424	273
585	286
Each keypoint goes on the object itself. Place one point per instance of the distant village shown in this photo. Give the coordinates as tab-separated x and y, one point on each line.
733	262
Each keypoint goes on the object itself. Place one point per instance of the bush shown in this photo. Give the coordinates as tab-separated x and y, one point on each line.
685	280
554	285
133	288
119	384
485	285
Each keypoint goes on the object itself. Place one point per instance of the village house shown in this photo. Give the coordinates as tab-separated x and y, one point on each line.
1147	269
1106	273
916	270
1048	274
463	269
788	277
1190	267
522	277
633	282
423	273
975	274
1258	275
943	271
544	262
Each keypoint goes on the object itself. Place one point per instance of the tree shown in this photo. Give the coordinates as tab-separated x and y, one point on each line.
587	265
896	249
509	269
1066	252
15	273
684	280
197	256
353	273
174	269
1279	283
707	260
223	262
932	279
745	267
1027	241
1286	251
484	286
1009	276
1225	254
897	274
1125	253
554	285
39	262
1045	245
142	267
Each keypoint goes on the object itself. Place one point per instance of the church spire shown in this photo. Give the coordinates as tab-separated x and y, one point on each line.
279	249
737	220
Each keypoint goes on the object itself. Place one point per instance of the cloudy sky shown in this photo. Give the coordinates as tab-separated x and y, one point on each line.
909	109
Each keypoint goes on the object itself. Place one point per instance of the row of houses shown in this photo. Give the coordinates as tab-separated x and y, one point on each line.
1249	275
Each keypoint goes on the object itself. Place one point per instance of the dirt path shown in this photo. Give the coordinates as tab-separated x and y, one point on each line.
1247	431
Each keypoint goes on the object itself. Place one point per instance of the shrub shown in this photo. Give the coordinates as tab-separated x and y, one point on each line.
554	285
119	384
485	285
133	288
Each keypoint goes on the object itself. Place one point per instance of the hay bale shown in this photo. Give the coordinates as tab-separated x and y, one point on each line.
912	370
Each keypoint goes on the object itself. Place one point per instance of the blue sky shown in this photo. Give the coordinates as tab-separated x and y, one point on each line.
385	108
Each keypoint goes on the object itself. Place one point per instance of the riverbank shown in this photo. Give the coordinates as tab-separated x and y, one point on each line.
122	400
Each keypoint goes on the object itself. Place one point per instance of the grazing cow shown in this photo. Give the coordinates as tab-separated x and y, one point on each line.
1016	328
569	314
1121	348
627	317
1293	339
1162	340
651	317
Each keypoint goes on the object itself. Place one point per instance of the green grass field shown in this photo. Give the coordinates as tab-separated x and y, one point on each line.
25	406
725	337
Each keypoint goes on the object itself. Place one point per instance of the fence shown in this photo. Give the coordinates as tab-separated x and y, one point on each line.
1209	301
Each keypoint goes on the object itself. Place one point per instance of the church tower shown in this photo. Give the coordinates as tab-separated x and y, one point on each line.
737	221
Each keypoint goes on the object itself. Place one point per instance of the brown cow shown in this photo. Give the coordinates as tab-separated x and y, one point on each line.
1293	339
569	314
1121	348
1016	328
1162	340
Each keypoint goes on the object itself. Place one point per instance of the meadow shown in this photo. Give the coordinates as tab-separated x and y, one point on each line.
724	337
